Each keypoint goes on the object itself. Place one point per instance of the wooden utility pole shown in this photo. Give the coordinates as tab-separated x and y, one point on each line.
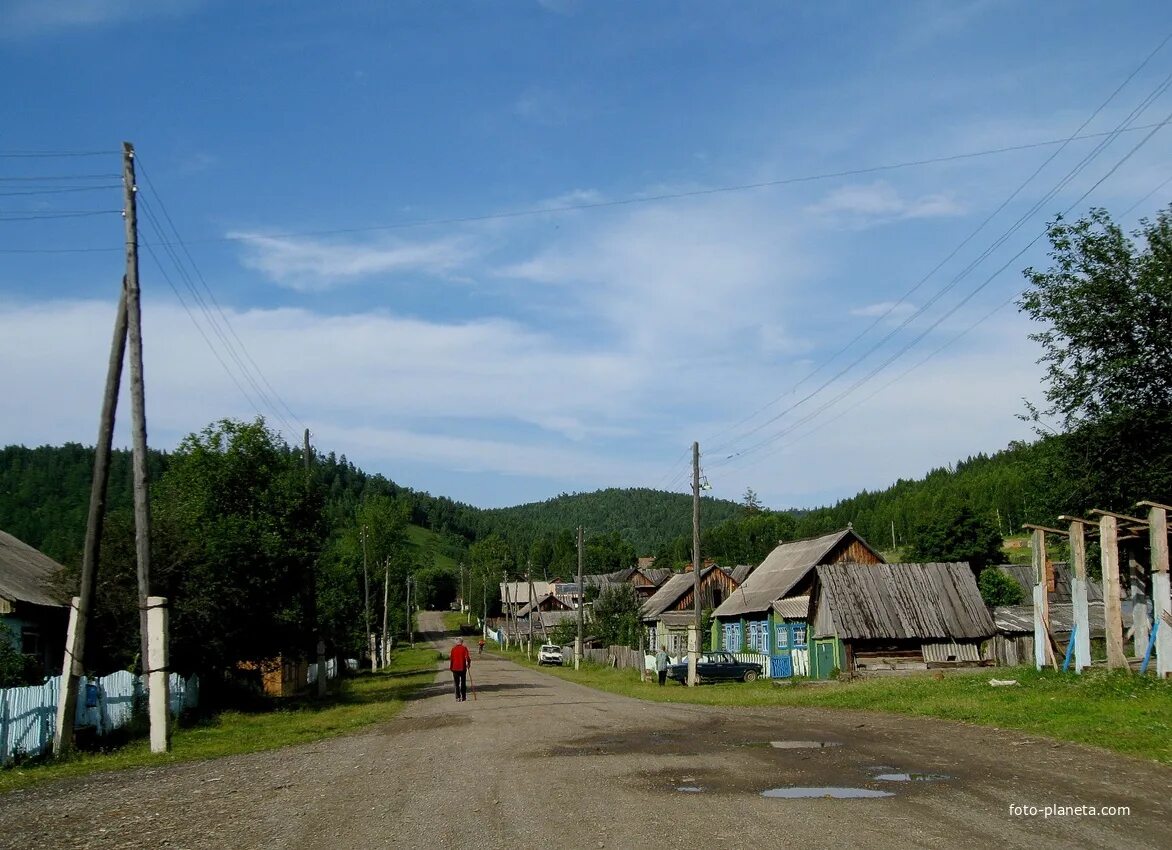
1112	615
73	665
410	619
694	641
508	608
142	507
386	607
366	597
1161	593
581	606
1078	595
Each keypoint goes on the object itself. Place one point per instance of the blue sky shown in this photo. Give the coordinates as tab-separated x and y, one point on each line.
345	181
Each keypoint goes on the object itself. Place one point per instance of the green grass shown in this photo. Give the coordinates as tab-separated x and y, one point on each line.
1115	710
362	700
419	537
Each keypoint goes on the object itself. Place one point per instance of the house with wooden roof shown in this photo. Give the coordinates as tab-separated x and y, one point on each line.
32	610
669	612
883	617
769	612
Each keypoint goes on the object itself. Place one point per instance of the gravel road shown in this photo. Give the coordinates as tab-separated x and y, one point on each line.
535	761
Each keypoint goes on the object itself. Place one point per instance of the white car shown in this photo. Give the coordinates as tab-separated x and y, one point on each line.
549	654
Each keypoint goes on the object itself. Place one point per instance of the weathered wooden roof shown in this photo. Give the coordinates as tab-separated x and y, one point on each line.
670	591
524	610
1023	574
26	575
782	568
793	607
677	619
657	575
898	601
741	572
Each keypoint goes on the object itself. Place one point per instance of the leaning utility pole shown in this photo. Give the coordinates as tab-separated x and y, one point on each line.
410	619
694	640
581	603
73	667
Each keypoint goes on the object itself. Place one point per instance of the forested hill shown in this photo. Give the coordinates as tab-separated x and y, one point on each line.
643	517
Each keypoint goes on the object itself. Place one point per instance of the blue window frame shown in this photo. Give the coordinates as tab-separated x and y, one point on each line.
732	637
799	634
782	636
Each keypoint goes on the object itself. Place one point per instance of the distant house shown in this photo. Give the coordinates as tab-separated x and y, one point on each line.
672	608
548	602
769	613
1060	589
31	609
879	617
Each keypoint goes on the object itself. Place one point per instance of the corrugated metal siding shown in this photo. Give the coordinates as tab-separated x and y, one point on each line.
951	652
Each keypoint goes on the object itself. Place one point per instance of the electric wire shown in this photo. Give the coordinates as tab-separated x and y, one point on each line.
201	303
618	202
1074	172
211	296
732	460
972	235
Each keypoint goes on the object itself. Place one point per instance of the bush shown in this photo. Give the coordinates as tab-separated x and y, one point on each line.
16	668
999	589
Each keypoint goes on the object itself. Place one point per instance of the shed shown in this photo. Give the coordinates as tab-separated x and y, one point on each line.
1060	591
870	617
32	610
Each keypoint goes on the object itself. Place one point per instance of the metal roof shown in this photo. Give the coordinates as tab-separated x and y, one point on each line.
896	601
782	568
26	575
793	607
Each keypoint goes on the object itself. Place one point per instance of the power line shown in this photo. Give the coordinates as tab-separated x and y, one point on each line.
54	154
899	353
1111	135
641	199
7	216
1075	171
57	177
57	190
203	281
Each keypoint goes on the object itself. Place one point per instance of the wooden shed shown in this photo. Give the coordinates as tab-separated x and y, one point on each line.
883	617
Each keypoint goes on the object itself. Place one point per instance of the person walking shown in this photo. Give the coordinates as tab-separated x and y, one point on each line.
459	662
661	660
481	645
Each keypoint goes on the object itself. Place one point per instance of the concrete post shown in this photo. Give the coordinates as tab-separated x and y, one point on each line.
1078	590
321	668
1161	595
158	662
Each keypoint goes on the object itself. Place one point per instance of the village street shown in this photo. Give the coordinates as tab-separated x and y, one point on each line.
535	761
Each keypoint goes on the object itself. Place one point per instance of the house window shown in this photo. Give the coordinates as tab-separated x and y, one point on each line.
800	635
30	640
759	636
732	637
782	636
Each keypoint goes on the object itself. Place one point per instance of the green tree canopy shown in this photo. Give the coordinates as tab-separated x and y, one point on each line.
959	536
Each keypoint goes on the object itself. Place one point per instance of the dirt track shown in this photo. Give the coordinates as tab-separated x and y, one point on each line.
538	762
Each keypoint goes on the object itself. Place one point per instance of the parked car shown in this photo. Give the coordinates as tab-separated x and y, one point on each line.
549	654
717	667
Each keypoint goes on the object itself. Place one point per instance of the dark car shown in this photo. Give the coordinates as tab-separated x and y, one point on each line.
717	667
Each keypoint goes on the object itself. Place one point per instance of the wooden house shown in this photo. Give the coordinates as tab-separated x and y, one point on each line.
671	610
883	617
33	613
769	613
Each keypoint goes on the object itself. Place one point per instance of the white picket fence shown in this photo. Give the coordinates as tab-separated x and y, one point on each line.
331	671
28	716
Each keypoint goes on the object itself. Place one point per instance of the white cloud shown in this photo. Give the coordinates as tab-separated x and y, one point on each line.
30	17
874	203
308	264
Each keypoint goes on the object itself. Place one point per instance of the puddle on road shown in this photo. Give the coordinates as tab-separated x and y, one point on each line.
911	777
690	789
803	745
816	793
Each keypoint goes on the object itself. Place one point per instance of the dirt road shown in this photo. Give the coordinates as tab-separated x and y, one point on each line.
538	762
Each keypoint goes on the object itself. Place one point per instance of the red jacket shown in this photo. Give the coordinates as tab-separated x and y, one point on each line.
460	659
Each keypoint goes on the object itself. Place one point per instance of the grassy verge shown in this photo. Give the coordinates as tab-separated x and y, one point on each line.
365	699
1118	711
